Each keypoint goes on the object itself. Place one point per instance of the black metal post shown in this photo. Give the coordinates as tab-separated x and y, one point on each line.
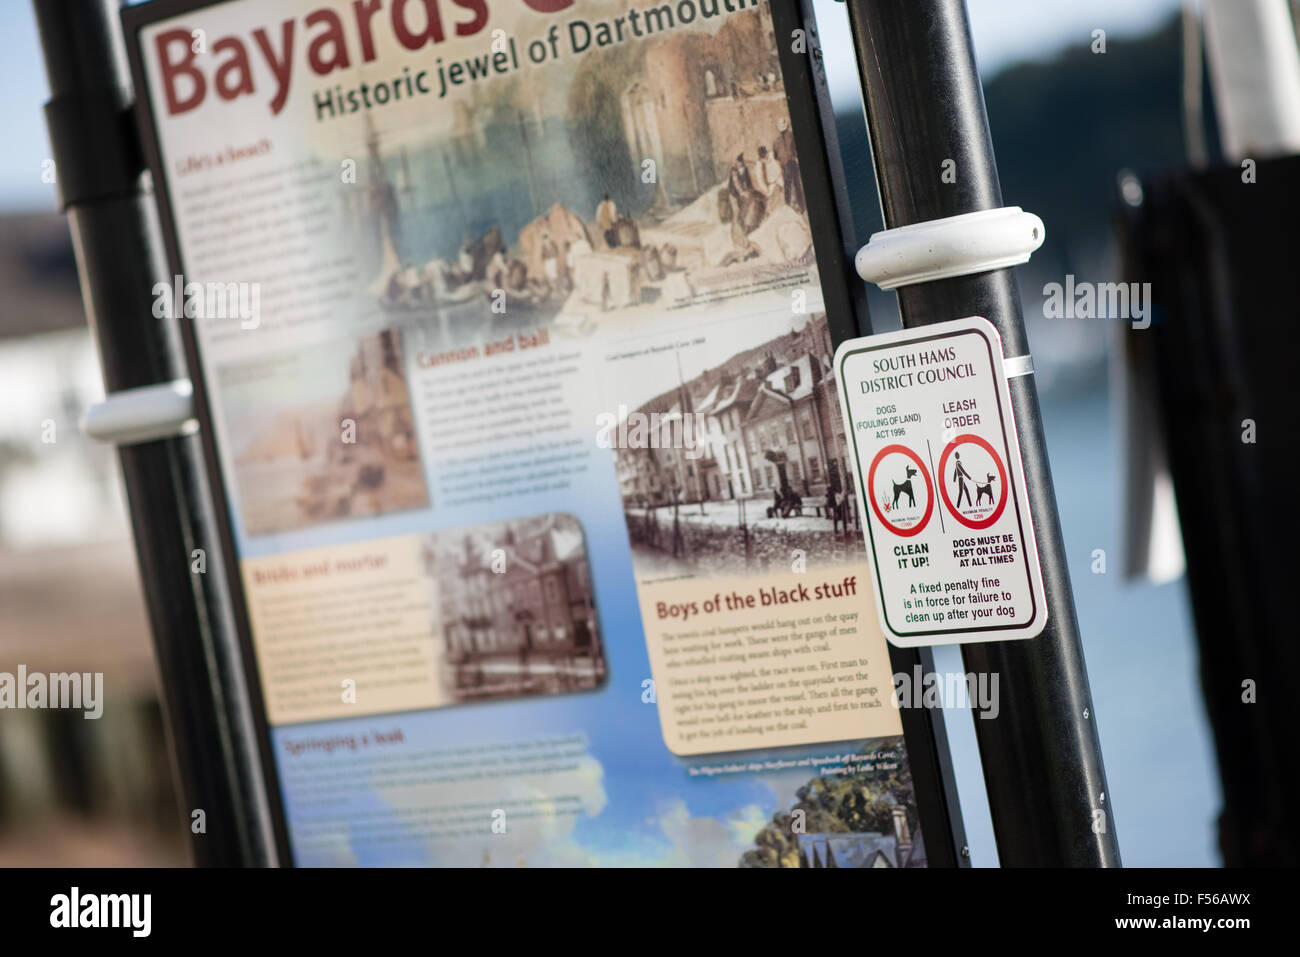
119	249
1041	757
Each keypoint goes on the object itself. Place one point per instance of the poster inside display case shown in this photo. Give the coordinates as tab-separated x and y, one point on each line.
513	358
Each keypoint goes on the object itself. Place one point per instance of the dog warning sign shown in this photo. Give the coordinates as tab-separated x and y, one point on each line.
940	484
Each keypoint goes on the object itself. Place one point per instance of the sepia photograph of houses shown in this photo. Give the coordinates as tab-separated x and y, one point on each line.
323	434
744	459
514	607
655	175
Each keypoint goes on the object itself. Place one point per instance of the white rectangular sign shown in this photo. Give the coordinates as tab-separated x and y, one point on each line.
940	484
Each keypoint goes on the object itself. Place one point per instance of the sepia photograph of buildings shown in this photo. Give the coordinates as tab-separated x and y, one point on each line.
515	609
746	460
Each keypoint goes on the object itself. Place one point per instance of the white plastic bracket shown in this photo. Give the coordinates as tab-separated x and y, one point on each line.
1018	366
956	246
149	412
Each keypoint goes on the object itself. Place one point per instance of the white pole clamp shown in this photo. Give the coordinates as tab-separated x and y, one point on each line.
955	246
149	412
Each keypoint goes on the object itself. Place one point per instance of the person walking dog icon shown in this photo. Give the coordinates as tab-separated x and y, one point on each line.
961	477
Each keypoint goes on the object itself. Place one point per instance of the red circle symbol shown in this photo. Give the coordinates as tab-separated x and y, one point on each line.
1003	491
929	490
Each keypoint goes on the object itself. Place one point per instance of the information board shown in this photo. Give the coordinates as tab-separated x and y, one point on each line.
512	357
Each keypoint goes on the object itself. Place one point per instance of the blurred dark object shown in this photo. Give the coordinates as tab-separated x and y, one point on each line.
38	276
89	793
1219	253
1063	127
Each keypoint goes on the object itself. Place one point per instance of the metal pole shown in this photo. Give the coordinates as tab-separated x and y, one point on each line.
119	249
1042	760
